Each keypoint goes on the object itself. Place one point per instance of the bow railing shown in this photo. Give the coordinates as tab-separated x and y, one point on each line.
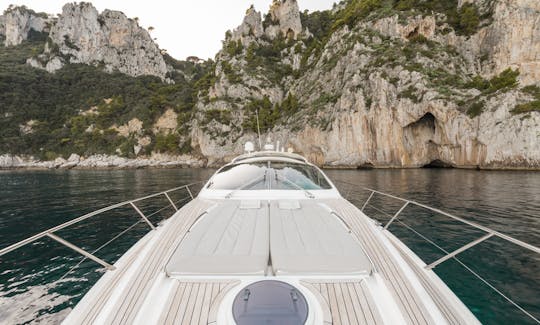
51	233
487	234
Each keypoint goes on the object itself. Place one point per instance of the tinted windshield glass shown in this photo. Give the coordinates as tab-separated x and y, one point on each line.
269	175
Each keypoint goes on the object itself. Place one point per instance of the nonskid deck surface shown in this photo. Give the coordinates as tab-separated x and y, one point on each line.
345	302
140	291
194	302
398	281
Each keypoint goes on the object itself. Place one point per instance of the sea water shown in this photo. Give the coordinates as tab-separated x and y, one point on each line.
44	281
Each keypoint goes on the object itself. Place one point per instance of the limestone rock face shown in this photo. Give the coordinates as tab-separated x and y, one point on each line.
166	123
283	19
377	95
133	127
99	161
17	22
251	26
374	93
407	136
9	161
285	14
3	25
419	25
398	133
513	39
109	39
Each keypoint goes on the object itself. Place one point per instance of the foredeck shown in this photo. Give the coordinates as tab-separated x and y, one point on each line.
399	279
345	302
122	300
139	290
194	302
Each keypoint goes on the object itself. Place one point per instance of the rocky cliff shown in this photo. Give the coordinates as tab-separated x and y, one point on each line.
106	88
80	34
18	23
375	83
282	20
386	87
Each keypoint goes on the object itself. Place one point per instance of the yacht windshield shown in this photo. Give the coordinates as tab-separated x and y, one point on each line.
269	175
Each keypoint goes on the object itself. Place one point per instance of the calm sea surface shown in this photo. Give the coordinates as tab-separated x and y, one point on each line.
43	281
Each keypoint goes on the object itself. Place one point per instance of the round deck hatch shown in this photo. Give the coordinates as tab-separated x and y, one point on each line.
270	302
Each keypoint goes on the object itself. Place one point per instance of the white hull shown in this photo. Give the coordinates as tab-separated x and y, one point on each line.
399	291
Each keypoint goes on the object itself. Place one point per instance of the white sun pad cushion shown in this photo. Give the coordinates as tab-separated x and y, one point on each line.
313	241
231	239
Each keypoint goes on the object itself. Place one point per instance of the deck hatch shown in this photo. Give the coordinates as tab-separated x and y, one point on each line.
270	302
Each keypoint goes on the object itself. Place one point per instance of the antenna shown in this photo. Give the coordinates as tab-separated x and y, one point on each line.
258	129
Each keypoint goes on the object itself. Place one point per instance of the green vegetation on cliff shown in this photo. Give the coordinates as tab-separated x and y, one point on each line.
55	102
345	63
465	20
506	80
269	114
532	106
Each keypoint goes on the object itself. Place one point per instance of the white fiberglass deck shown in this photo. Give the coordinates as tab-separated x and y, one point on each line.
153	285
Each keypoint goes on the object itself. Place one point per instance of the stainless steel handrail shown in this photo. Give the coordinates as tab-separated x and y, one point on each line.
450	255
486	282
470	223
50	232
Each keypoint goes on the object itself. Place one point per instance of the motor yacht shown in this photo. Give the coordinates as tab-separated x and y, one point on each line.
269	239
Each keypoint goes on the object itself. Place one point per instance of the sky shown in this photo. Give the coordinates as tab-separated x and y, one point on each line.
182	27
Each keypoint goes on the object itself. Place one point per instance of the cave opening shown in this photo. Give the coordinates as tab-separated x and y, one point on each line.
437	163
413	34
365	166
290	34
427	120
